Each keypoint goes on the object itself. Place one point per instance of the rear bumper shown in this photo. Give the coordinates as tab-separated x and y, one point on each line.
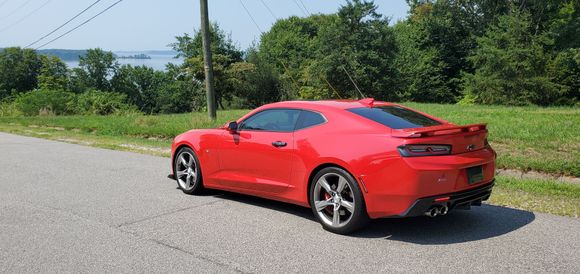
398	183
461	199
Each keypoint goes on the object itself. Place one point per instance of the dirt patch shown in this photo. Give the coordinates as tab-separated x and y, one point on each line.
154	149
514	173
75	141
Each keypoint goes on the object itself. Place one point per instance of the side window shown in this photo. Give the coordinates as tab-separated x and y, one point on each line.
309	119
272	120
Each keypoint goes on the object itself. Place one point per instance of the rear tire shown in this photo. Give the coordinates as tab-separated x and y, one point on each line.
187	172
337	201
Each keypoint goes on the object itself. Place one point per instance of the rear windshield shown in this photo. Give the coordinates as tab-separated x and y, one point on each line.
395	117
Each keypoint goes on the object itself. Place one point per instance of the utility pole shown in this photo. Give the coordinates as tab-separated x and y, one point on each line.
208	66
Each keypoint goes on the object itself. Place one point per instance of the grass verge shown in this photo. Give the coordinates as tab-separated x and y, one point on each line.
546	196
526	138
537	195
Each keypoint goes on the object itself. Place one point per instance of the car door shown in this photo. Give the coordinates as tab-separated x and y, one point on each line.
258	156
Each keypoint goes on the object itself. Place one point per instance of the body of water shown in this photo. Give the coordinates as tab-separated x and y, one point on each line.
157	61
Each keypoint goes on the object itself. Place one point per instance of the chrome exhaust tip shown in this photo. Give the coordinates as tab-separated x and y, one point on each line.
432	212
443	210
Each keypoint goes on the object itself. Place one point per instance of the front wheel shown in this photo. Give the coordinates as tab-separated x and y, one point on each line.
187	171
337	201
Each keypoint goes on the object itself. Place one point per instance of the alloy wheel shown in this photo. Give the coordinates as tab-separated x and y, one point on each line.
334	200
186	171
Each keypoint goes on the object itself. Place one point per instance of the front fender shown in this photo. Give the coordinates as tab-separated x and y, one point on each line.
203	144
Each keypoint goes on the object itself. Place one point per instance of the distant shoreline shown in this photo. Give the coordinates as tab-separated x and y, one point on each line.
69	55
135	56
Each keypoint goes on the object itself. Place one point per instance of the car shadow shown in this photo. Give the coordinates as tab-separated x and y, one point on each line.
459	226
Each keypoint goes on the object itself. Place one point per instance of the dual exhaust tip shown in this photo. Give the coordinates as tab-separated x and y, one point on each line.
437	210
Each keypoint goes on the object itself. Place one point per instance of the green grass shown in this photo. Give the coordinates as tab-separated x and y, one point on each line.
526	138
143	126
537	195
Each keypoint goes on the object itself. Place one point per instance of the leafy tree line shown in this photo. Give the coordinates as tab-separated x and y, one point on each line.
35	84
515	52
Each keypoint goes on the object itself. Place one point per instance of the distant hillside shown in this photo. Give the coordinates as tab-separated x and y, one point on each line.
64	54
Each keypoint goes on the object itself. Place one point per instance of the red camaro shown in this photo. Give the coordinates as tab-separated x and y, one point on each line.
348	160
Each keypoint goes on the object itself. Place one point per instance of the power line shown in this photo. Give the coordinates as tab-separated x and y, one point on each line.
251	17
26	16
65	23
269	10
305	8
300	7
15	10
81	24
259	29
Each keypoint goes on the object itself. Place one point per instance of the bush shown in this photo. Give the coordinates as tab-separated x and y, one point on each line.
8	108
94	102
44	102
54	102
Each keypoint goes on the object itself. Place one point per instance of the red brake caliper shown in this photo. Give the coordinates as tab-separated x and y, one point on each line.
326	197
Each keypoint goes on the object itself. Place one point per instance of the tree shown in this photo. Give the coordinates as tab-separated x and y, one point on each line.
290	47
53	74
180	94
19	69
253	81
421	71
511	65
224	53
141	84
434	44
312	54
97	66
358	45
565	70
565	26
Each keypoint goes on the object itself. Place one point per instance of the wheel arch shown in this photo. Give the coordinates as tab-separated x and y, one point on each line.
330	164
177	149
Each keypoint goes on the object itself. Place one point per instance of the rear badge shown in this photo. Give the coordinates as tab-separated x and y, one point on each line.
471	147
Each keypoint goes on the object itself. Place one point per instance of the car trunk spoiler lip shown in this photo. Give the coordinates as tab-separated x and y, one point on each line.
445	129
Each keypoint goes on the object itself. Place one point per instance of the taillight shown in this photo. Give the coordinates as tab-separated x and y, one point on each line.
424	150
487	145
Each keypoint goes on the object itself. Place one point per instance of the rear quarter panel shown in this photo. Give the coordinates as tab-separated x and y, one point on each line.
343	141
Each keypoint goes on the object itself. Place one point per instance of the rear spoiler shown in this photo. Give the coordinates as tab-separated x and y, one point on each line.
446	129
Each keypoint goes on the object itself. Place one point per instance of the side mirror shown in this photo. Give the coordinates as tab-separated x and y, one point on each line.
232	126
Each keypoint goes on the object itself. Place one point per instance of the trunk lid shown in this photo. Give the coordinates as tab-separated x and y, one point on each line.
461	138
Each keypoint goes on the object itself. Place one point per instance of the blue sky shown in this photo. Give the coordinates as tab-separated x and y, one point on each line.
151	24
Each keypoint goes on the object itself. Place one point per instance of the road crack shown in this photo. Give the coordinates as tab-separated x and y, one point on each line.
167	213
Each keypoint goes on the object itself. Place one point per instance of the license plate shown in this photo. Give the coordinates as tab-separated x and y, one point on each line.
475	174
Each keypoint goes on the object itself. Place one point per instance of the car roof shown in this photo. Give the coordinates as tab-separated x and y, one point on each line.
334	104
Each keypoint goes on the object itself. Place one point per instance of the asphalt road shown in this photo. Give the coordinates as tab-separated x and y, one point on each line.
70	208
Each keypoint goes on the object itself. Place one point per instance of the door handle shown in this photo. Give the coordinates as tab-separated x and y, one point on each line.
279	144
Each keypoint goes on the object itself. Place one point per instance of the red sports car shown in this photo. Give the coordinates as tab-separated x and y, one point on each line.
350	161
